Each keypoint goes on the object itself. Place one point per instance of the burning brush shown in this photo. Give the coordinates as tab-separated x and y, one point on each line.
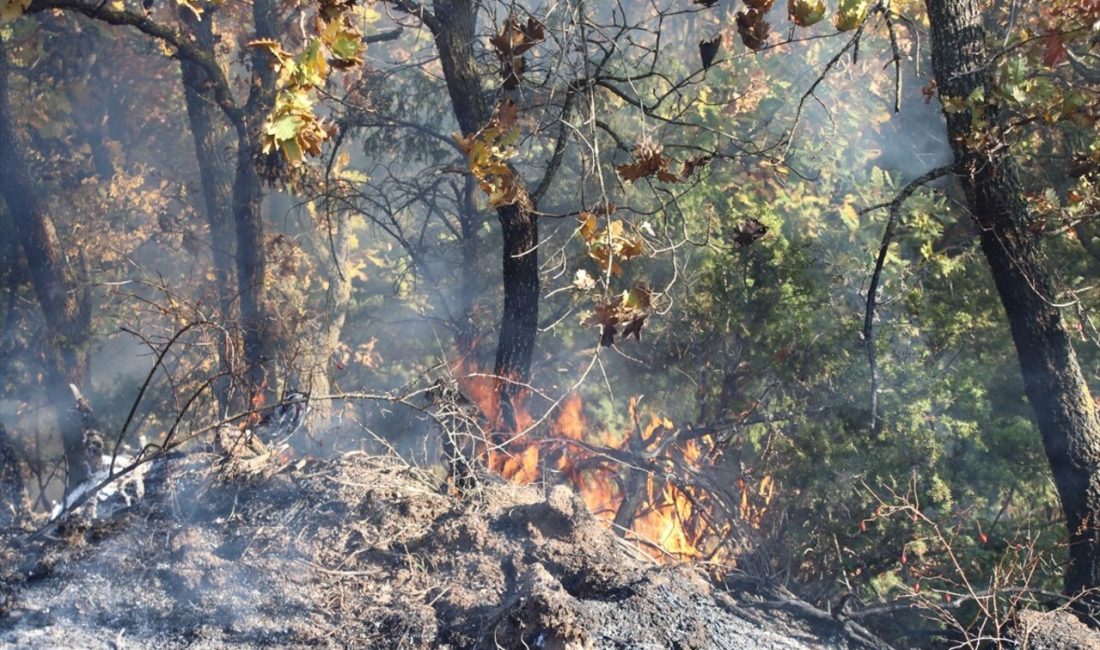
462	426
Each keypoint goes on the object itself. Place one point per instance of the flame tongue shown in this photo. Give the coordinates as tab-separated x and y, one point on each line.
257	403
669	519
509	453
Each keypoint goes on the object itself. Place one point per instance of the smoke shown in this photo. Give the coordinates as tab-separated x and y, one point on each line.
385	270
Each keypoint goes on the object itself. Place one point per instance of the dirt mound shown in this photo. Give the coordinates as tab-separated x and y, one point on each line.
1057	630
365	552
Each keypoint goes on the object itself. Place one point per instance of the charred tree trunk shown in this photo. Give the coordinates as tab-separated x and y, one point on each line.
66	316
250	258
453	25
1053	380
467	331
247	210
209	132
14	505
519	322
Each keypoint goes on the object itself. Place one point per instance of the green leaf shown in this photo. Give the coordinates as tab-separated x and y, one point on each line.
849	216
311	66
806	13
850	14
291	150
347	46
285	127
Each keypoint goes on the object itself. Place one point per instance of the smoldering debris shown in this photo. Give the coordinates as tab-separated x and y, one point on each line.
364	551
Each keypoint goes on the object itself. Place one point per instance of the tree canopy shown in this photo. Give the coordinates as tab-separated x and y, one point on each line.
802	290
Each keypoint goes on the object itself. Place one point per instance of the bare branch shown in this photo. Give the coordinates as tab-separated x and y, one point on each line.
887	237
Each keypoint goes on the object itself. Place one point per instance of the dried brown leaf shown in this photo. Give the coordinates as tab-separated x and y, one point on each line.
753	28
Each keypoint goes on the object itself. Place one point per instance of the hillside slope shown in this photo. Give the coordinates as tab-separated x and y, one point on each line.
365	552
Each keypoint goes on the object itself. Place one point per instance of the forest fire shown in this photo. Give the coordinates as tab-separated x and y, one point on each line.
639	481
845	250
512	456
257	403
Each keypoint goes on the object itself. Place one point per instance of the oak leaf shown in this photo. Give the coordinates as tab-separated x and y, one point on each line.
488	152
514	39
708	49
850	14
610	245
1054	49
628	310
649	160
753	28
692	165
806	13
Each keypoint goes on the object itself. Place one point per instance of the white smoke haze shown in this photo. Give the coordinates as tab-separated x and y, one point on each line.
384	285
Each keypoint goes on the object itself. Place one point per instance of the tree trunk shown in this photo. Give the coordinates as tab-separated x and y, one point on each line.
67	318
468	219
454	29
91	125
14	505
332	247
211	146
1064	410
247	211
519	323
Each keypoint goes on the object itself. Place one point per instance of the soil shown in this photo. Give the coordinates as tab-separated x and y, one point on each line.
366	552
1056	630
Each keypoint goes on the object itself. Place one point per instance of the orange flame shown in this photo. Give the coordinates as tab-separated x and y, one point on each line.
516	458
672	520
668	522
257	403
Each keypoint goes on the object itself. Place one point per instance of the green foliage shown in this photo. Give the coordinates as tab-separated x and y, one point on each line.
755	338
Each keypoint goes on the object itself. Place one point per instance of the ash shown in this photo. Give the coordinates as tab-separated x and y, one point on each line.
365	552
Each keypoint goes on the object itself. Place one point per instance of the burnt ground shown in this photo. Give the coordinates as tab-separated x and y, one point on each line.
365	552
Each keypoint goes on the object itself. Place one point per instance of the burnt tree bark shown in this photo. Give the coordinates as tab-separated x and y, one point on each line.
468	220
64	307
453	24
209	132
247	206
519	322
1055	386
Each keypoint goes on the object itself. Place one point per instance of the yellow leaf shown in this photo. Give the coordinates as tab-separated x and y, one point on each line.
291	150
588	225
850	14
273	46
849	215
12	9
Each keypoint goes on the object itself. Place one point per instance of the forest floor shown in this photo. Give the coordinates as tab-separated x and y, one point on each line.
366	552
